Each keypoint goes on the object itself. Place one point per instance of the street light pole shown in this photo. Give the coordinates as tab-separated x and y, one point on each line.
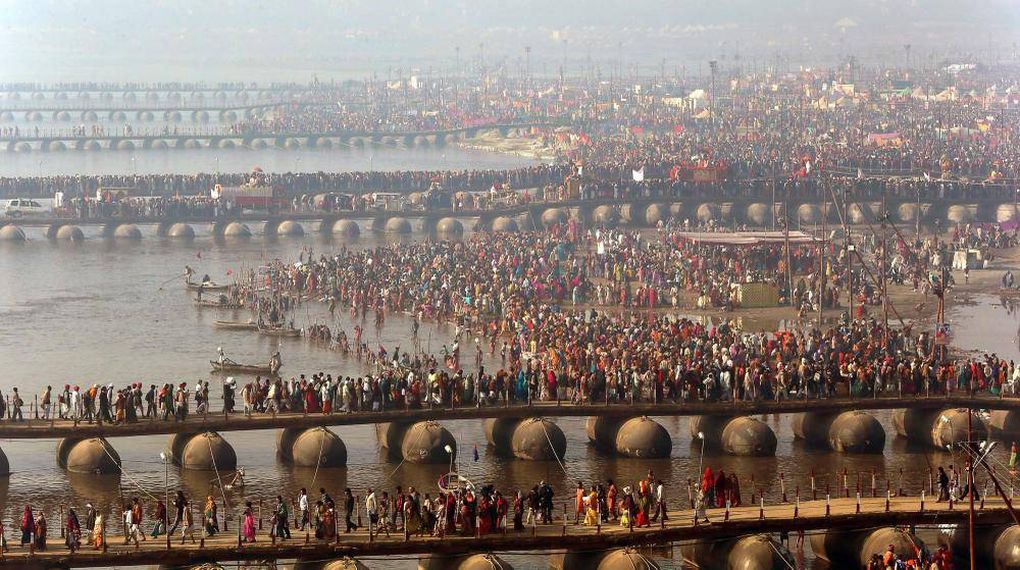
712	66
701	460
166	497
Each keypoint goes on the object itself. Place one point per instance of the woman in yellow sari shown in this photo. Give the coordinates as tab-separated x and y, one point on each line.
591	502
98	531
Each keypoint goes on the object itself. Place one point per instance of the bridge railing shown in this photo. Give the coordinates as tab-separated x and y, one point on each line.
255	530
34	416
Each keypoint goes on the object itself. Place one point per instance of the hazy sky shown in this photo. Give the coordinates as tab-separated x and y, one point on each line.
210	40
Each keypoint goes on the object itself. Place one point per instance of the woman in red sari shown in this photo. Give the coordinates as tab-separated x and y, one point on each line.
733	490
311	402
484	520
611	506
708	487
467	514
27	525
721	489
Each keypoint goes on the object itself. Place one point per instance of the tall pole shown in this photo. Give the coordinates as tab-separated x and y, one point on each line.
885	285
712	66
970	480
917	216
848	248
772	206
821	258
786	240
527	67
166	497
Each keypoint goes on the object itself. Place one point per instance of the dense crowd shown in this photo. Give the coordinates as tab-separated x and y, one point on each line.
572	316
461	508
294	183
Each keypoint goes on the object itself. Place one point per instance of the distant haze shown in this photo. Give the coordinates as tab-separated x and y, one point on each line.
232	40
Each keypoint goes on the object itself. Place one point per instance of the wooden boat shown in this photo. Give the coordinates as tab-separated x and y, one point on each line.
280	332
239	368
217	304
207	286
236	325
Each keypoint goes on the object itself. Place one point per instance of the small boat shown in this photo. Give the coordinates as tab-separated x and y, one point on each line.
280	332
217	304
240	368
207	286
236	325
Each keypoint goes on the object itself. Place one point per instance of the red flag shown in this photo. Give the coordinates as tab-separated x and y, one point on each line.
678	129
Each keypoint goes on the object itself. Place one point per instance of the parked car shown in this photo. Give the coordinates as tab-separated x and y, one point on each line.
22	207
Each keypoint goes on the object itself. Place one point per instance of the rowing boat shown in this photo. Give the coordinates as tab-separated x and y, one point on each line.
207	286
217	304
281	332
236	325
240	368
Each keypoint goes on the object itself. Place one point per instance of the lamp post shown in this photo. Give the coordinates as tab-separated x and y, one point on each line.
166	497
701	459
713	65
449	451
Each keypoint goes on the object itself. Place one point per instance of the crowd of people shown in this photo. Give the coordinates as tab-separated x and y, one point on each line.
295	183
573	316
460	509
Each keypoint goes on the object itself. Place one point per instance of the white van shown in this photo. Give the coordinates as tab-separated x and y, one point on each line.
22	207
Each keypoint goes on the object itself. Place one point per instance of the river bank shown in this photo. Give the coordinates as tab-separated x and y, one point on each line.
519	146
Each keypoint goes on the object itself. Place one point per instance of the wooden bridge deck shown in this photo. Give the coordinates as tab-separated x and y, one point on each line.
37	428
904	511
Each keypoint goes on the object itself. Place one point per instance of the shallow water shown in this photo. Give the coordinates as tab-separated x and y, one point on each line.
95	312
191	161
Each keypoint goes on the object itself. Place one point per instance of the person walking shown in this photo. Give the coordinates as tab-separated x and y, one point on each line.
45	401
282	520
16	404
209	514
248	527
187	523
660	502
159	522
372	508
72	531
27	525
699	507
943	479
179	502
303	509
349	510
99	532
130	526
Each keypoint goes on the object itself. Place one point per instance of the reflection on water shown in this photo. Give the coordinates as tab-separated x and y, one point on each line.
95	313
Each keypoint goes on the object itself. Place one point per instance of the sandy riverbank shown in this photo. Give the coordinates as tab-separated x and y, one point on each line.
523	146
905	303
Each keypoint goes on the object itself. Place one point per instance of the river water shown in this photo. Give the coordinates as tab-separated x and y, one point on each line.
191	161
96	312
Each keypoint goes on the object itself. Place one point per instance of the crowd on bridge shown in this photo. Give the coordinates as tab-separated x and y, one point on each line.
293	183
459	508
